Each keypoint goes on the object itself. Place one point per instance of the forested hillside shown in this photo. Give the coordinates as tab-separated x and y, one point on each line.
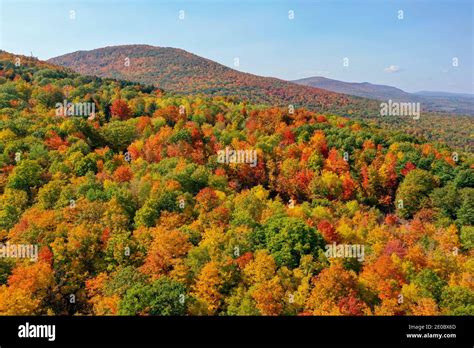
179	71
176	70
136	212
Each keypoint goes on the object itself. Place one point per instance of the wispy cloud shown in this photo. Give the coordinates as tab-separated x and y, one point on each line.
392	69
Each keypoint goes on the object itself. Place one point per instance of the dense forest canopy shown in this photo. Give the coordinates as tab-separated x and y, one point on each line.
133	213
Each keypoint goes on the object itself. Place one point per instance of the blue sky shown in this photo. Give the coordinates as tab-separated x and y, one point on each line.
414	53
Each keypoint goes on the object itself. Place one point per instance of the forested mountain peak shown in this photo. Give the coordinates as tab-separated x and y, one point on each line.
178	71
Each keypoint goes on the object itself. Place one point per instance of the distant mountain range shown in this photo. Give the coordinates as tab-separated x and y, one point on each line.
176	70
179	71
458	103
444	94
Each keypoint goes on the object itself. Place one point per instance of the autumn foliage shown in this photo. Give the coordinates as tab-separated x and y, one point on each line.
133	213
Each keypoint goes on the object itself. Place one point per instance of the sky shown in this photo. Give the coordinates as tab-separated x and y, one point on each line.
427	46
